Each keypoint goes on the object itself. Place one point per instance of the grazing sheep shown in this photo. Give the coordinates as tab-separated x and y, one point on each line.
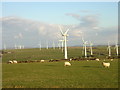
111	59
70	59
67	64
87	60
106	64
42	61
10	62
14	61
97	59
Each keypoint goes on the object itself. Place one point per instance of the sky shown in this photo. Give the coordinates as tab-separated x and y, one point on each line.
29	23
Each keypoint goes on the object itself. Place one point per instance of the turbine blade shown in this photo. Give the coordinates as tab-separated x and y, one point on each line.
61	30
66	31
82	39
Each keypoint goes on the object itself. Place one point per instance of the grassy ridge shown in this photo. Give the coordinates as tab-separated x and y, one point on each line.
81	74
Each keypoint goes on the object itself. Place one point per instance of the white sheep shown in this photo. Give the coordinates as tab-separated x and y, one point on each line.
14	61
67	64
42	61
97	59
70	59
111	59
106	64
10	62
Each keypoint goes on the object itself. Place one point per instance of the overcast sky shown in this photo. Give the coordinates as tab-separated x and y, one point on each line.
28	23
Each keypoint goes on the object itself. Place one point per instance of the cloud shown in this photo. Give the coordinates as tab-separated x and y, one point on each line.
29	32
89	21
76	16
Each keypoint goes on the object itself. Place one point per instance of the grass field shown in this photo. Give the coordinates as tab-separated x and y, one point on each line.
82	74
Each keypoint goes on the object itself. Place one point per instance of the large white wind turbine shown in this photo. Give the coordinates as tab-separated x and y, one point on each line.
109	49
84	46
116	47
65	40
91	51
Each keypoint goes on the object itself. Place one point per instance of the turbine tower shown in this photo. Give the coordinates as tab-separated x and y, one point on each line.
62	42
116	47
15	46
20	47
91	51
65	40
59	45
4	46
39	45
84	46
47	45
109	49
53	45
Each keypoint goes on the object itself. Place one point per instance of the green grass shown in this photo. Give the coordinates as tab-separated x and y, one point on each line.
81	74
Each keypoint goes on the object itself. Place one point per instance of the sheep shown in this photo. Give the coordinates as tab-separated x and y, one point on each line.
14	61
111	59
97	59
42	61
67	64
10	62
70	59
106	64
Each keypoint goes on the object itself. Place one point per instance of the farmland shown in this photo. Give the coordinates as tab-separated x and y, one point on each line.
82	74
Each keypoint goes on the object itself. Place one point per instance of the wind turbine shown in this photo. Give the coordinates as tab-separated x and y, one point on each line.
65	40
62	42
91	51
84	47
59	45
15	46
39	45
116	47
4	46
47	45
20	47
53	45
109	49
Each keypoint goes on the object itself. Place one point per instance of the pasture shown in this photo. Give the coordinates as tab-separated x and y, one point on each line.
82	74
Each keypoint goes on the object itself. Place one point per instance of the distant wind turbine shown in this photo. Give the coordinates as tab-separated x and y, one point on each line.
84	46
62	42
4	46
53	45
47	45
109	49
65	41
91	51
15	46
39	45
116	47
